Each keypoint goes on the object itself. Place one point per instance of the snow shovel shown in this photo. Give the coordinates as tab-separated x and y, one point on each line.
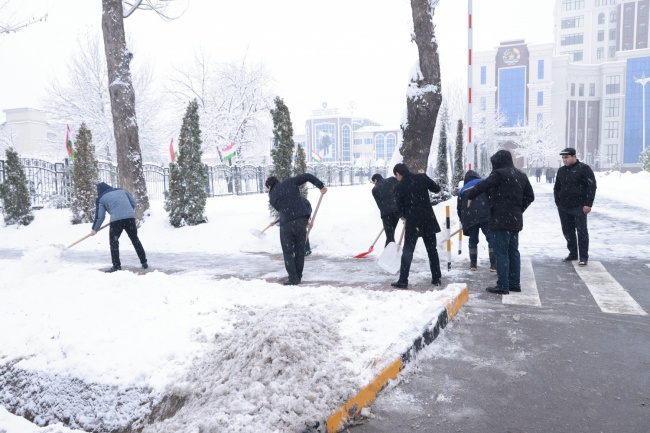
86	237
391	258
260	233
372	247
313	218
450	236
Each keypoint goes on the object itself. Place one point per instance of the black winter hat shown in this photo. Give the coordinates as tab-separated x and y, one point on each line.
568	151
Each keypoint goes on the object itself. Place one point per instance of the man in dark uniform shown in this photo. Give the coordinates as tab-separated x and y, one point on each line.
286	199
510	195
384	195
413	204
575	191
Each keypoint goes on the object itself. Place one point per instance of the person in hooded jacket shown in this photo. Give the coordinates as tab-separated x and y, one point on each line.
474	219
510	195
120	204
384	195
286	199
414	205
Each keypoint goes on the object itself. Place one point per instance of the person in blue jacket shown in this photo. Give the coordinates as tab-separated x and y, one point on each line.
474	219
120	204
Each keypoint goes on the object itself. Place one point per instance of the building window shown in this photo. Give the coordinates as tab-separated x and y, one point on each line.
512	95
590	133
581	134
575	56
612	107
642	44
612	17
540	98
612	52
483	74
611	129
572	5
540	118
592	89
643	10
483	103
573	89
326	141
601	18
358	142
627	30
601	35
345	142
571	39
379	147
612	84
600	52
391	141
612	34
611	151
573	22
643	29
629	12
367	141
581	90
540	69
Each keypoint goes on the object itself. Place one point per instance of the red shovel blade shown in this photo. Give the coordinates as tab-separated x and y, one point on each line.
371	249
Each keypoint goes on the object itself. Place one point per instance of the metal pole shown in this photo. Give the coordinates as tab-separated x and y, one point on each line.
469	78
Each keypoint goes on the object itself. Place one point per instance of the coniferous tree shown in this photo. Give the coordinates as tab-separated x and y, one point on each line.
282	152
300	167
458	159
14	192
186	198
84	178
441	173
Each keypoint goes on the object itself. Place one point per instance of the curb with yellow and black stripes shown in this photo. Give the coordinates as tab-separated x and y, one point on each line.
457	297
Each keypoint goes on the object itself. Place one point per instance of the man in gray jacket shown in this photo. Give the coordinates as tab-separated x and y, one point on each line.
120	205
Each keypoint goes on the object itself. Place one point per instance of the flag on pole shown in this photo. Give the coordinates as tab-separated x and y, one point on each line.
314	156
229	151
173	155
68	144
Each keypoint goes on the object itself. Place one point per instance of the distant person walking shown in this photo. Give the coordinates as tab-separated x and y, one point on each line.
510	195
575	191
475	219
120	204
384	194
285	198
413	204
538	174
550	175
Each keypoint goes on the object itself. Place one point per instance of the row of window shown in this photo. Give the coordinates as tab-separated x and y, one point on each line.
572	5
604	2
612	17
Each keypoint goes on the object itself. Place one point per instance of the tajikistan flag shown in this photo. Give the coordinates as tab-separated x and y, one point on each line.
229	151
314	156
68	144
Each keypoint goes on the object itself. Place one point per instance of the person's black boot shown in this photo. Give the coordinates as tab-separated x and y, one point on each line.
493	261
473	259
145	266
113	269
400	284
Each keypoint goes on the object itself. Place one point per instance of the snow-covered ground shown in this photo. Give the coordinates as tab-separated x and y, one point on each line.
250	355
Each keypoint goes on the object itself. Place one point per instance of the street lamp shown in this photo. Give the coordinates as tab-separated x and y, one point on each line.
643	81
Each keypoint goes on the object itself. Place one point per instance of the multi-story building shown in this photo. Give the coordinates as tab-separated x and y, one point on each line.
590	82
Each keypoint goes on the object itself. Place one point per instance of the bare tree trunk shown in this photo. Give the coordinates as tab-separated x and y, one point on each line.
425	93
120	88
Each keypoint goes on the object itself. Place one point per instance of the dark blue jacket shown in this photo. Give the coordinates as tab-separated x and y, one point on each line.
479	212
117	202
285	197
384	194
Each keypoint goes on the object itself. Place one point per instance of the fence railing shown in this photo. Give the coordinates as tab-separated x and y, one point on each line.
51	183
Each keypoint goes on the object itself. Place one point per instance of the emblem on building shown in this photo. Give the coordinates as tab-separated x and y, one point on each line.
511	56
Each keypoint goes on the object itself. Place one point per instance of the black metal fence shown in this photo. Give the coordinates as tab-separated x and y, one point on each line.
51	183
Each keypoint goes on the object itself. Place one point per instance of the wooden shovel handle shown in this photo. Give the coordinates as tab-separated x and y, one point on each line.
401	238
377	238
86	237
313	218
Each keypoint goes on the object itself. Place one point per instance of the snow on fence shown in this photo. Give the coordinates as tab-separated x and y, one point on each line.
51	183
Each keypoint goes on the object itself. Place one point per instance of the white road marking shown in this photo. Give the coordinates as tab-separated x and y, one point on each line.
610	296
529	294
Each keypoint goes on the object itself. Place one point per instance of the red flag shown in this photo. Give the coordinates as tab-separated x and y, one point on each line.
68	144
172	154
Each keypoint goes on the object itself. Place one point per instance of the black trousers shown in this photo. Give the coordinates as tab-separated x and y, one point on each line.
114	233
292	239
390	222
574	222
411	236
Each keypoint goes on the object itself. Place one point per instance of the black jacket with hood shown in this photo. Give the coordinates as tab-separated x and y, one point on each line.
384	194
510	193
413	203
479	212
286	199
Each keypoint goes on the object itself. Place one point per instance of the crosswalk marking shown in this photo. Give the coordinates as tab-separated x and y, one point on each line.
529	294
610	296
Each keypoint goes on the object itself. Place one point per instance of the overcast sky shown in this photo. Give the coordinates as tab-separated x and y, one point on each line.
336	51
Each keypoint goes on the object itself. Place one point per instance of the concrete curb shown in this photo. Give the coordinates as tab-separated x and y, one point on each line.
367	395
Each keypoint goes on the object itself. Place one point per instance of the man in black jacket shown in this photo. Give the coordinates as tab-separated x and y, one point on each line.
474	219
286	199
510	195
384	195
574	190
413	204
